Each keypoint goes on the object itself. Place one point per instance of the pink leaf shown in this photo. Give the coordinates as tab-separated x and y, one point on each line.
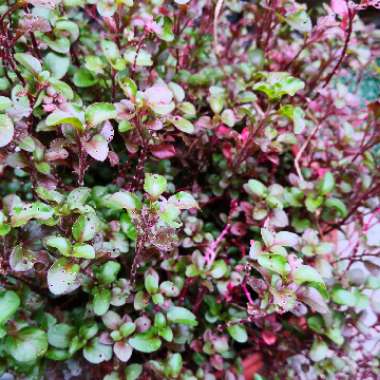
158	94
340	7
56	154
155	125
114	158
163	151
107	131
123	351
97	148
374	3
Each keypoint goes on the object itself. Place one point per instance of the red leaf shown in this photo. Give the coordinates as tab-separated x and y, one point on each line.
163	151
269	337
252	364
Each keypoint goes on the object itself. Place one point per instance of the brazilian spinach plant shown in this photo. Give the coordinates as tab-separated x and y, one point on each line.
189	189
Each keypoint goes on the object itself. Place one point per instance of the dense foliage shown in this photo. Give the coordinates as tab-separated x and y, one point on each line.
189	189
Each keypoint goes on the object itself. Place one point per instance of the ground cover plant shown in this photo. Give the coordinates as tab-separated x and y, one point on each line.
189	189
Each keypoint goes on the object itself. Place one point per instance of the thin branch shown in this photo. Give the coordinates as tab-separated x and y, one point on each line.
351	16
218	9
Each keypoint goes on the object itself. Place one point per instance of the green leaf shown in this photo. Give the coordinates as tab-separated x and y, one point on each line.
57	64
62	277
337	205
127	328
335	334
274	263
327	184
151	283
353	298
128	85
178	91
182	124
140	301
59	117
85	227
57	354
5	229
59	45
9	303
125	126
257	188
78	197
31	63
60	335
97	352
37	210
102	299
67	27
158	299
166	29
307	274
218	269
94	64
159	320
62	244
297	115
98	112
169	289
123	200
108	272
166	333
313	202
216	104
106	8
343	297
144	58
187	109
169	214
155	184
49	195
62	88
174	364
21	259
238	333
145	342
88	329
318	351
5	103
110	50
180	315
278	84
133	372
29	344
183	201
228	117
299	120
6	130
300	21
43	168
127	226
84	78
83	251
315	322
